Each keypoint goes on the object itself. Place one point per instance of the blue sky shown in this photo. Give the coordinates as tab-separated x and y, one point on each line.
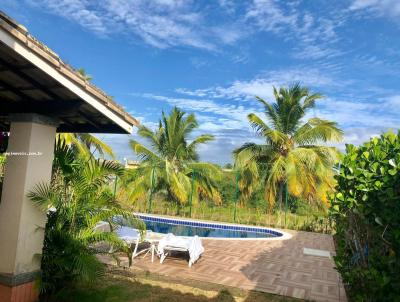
213	57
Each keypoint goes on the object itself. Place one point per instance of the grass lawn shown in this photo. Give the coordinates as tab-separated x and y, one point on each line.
125	286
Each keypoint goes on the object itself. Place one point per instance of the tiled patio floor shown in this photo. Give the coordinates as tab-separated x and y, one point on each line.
278	267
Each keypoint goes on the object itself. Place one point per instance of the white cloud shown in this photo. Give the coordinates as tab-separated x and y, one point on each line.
236	114
270	17
315	52
228	6
358	136
160	23
228	34
393	102
247	89
220	150
75	10
171	23
315	35
378	7
262	85
353	113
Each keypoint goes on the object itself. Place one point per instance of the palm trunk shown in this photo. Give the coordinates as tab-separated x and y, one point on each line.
280	198
281	188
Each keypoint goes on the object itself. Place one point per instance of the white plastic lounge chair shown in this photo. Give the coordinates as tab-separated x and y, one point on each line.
170	243
132	237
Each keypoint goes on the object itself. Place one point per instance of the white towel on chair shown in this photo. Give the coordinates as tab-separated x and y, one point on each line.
191	244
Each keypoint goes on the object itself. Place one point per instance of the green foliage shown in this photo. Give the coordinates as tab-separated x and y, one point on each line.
228	166
2	159
366	209
294	156
306	217
226	186
75	201
2	166
86	144
85	76
171	163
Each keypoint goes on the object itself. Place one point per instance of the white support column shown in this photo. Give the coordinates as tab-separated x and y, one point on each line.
31	151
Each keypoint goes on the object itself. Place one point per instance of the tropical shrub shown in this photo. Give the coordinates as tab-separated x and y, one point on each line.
366	209
77	198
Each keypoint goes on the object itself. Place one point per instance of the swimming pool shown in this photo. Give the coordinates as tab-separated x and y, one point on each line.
184	227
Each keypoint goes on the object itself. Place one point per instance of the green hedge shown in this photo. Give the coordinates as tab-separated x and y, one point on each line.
366	210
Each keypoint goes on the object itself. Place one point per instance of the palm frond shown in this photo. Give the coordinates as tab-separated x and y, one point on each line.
317	131
277	175
202	139
92	141
272	136
143	152
249	152
44	196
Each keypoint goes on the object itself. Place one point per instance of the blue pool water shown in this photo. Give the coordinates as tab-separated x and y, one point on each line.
201	229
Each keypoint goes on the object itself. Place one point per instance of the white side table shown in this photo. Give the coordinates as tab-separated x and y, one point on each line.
153	239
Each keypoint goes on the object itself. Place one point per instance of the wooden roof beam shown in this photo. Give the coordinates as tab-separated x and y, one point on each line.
29	79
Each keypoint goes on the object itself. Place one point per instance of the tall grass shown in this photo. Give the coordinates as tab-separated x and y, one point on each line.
306	218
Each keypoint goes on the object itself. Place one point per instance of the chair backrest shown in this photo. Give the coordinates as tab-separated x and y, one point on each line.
126	232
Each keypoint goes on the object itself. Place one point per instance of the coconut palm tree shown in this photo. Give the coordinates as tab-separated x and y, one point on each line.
171	164
294	152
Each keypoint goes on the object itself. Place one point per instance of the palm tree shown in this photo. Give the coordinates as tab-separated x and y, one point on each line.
171	163
86	144
294	153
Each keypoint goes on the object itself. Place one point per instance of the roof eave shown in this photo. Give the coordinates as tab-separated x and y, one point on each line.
17	38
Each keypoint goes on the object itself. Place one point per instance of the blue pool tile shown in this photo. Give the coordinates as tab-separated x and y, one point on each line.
188	227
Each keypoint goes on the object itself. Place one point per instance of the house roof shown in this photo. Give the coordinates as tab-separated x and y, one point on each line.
33	79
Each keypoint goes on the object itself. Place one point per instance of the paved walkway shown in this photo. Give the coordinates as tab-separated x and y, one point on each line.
278	267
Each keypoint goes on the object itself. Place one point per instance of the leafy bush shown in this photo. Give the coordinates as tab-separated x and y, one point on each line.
76	200
366	209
